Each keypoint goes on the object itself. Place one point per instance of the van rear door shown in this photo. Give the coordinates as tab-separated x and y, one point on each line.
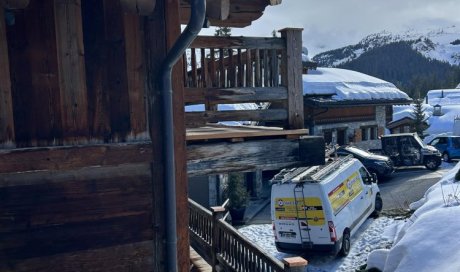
298	214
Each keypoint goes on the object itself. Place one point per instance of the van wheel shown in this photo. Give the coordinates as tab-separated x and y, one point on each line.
431	164
378	206
346	244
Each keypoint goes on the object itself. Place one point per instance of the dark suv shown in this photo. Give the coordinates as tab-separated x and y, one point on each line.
382	166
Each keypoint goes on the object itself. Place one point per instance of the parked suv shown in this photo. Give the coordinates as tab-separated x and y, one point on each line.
407	149
449	146
382	166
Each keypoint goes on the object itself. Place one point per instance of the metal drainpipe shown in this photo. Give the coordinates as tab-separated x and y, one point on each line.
197	16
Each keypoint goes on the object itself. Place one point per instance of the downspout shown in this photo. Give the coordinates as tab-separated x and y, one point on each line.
197	16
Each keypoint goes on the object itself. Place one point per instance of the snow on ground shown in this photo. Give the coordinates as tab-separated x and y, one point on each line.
428	241
371	235
394	245
345	84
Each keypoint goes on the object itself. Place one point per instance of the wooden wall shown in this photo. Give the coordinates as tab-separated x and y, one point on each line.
81	201
77	81
337	115
87	219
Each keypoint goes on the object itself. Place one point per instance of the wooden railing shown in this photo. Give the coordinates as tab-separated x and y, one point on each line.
233	70
222	246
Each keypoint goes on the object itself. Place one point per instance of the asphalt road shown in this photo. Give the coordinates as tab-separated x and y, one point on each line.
404	187
408	185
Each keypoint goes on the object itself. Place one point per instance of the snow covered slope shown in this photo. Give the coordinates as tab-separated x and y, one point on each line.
442	44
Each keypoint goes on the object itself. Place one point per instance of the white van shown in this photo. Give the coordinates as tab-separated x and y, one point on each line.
318	208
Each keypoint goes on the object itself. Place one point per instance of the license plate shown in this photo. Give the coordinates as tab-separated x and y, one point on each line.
285	234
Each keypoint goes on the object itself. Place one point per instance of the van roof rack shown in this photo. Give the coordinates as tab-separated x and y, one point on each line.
311	173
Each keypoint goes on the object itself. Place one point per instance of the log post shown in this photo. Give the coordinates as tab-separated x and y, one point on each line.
71	65
295	264
6	103
217	214
291	76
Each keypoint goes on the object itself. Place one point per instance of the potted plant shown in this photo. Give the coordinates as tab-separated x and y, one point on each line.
238	197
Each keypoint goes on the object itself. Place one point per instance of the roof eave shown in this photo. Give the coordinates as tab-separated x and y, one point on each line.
348	103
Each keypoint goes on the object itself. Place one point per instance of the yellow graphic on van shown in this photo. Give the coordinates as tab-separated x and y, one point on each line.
345	192
309	208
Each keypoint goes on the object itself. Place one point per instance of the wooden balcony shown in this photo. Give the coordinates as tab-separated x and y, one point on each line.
235	79
235	70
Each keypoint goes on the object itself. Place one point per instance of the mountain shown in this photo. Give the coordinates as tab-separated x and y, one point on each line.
416	62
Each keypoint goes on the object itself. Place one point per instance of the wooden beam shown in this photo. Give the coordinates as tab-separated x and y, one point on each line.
238	42
225	132
291	76
200	118
72	77
140	7
207	159
66	158
130	257
218	9
117	81
135	68
15	4
35	73
234	95
6	102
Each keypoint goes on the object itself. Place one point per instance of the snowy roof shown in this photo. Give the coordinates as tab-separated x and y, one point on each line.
443	97
348	85
438	124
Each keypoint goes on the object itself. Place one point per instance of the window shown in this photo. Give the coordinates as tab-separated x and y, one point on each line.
369	133
442	140
435	141
365	175
327	134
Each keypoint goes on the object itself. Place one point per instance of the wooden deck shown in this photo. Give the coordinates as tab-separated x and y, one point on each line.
214	132
198	263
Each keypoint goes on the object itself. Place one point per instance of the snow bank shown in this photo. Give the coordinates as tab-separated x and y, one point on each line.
345	84
428	241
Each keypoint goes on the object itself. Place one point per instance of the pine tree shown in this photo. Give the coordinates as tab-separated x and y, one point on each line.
419	117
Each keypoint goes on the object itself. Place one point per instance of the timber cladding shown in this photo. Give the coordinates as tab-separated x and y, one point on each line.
77	74
82	213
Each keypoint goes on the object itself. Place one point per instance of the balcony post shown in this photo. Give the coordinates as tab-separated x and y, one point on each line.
217	214
295	264
291	76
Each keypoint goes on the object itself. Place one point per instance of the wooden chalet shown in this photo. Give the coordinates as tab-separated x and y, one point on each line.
358	120
82	167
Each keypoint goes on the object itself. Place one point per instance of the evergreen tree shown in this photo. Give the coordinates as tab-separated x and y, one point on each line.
419	117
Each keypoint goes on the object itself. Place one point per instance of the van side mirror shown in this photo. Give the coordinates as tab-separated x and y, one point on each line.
374	178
